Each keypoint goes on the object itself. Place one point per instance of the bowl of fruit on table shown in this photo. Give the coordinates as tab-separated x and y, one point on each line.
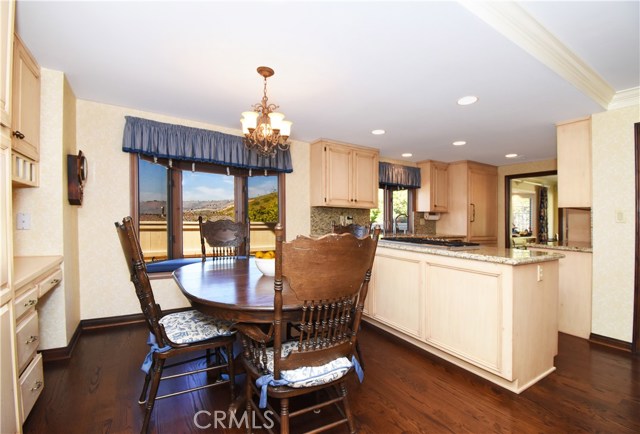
266	262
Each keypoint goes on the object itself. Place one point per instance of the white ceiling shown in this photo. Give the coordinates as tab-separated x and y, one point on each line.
345	68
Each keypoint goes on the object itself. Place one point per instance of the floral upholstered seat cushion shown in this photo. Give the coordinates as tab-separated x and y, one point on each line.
309	376
193	326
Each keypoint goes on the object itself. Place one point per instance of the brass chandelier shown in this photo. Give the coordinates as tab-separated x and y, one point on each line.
265	130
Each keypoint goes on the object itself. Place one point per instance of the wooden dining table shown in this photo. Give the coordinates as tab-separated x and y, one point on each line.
233	289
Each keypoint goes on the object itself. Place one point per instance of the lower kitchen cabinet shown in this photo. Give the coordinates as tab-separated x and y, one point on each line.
574	292
8	415
496	320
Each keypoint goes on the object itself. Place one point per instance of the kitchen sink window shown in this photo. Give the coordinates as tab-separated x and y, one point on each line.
394	210
396	198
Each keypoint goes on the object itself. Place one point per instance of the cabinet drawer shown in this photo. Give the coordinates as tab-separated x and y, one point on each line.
49	282
31	385
27	339
26	301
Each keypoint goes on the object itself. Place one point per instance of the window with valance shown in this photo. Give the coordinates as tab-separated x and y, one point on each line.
179	142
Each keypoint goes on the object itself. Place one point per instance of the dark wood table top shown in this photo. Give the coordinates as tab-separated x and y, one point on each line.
232	289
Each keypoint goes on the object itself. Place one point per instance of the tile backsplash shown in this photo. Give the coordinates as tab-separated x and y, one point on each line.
323	218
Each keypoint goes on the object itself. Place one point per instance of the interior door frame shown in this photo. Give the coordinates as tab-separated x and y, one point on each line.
507	200
635	343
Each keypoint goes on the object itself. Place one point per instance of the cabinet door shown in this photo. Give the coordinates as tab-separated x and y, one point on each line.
365	179
338	176
398	295
7	9
5	226
26	103
574	164
8	419
483	205
440	187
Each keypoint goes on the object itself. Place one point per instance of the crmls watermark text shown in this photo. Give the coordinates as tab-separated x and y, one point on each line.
223	419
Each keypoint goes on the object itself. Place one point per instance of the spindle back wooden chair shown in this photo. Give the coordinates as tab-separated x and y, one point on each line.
330	276
174	334
226	238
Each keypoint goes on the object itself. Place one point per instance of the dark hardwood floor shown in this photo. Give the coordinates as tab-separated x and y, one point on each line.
594	389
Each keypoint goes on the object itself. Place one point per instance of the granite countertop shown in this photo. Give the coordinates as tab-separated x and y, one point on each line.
498	255
573	246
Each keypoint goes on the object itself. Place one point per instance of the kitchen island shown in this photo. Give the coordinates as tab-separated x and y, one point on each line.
492	311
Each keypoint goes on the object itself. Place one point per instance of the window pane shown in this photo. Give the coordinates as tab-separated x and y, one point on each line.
209	195
521	211
400	210
263	212
152	196
376	215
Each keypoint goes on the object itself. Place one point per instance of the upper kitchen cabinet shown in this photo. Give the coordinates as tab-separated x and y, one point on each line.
7	11
25	102
343	175
473	202
433	194
574	163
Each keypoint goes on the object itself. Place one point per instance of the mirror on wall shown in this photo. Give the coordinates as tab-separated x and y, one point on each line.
532	209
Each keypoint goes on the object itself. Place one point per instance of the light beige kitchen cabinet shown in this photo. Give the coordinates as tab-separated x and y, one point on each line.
473	202
8	385
7	13
574	292
33	278
25	114
496	320
574	163
433	194
344	176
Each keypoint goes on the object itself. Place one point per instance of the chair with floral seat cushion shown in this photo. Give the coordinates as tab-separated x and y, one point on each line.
225	238
174	334
330	278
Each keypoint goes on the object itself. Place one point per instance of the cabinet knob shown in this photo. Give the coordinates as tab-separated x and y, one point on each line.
31	302
37	386
31	340
18	134
54	282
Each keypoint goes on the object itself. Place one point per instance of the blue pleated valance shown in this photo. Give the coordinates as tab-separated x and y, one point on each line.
397	176
178	142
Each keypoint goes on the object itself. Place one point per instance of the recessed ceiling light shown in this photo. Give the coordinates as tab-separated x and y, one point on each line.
511	155
459	143
407	154
467	100
378	132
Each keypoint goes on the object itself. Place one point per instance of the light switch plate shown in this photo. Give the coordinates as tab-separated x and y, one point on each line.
620	218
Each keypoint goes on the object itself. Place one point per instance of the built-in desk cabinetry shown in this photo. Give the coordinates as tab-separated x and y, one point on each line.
34	278
574	163
433	194
473	202
343	175
25	117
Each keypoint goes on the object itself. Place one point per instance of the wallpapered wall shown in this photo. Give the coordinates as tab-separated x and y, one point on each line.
613	156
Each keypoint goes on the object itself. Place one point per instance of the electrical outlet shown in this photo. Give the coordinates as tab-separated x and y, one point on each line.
23	221
539	273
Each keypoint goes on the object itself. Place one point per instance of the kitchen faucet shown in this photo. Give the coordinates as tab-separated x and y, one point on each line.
395	223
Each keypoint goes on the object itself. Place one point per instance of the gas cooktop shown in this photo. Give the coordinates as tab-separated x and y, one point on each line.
438	243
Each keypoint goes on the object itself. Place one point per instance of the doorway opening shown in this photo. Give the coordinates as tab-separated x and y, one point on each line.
531	208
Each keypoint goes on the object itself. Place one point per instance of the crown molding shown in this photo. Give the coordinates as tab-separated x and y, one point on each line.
625	98
513	22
